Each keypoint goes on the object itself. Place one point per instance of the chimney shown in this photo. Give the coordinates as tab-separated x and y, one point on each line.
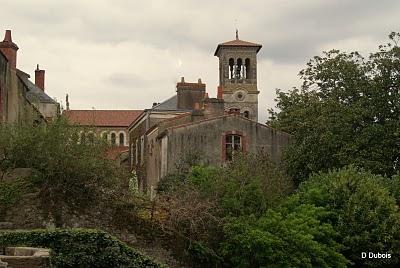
220	92
189	94
9	49
39	78
213	107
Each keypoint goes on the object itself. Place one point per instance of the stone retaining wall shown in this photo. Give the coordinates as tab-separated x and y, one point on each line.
26	257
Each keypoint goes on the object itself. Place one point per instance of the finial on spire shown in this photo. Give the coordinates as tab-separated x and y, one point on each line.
67	101
37	67
237	31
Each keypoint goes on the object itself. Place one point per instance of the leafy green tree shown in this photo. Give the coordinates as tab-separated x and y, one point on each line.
200	199
346	112
279	239
69	174
363	212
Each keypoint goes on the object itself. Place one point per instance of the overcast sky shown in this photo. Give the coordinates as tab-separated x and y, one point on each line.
127	54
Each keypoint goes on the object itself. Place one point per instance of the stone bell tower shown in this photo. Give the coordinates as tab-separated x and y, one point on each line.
238	76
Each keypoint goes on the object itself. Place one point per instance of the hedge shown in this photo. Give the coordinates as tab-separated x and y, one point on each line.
79	248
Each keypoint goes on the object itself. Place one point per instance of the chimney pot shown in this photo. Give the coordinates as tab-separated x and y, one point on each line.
7	37
199	81
182	79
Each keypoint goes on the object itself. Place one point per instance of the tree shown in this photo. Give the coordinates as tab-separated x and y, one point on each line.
199	200
363	212
346	112
277	239
70	175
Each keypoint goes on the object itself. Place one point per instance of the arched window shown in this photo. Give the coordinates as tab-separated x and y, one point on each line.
121	139
82	137
231	71
90	137
239	71
104	136
113	139
247	68
233	143
246	114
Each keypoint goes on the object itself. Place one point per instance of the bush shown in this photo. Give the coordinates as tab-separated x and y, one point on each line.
362	210
70	175
10	193
199	200
278	239
79	248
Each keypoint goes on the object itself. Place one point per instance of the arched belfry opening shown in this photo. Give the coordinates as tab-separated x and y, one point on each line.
231	66
239	69
247	73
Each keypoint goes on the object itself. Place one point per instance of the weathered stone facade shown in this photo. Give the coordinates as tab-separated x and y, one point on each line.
20	100
173	140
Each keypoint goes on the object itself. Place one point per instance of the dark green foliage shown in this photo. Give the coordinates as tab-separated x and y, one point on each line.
79	248
10	192
200	198
69	174
294	239
362	211
250	184
346	112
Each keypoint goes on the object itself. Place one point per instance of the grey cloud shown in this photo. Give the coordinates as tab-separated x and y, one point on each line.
290	31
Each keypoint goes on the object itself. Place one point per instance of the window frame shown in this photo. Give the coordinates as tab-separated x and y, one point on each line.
224	144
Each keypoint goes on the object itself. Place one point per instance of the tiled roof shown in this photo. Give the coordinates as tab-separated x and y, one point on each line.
34	94
169	104
237	43
103	118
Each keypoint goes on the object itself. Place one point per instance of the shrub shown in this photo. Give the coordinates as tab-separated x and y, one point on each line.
70	175
278	239
79	248
363	212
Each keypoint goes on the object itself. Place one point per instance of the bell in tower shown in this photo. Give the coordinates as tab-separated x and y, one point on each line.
238	76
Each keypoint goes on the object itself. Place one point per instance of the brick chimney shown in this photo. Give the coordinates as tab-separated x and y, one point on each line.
39	77
9	49
213	107
189	94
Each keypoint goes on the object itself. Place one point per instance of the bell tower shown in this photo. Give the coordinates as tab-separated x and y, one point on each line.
238	76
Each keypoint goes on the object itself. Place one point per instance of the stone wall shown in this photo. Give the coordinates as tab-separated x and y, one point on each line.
207	139
14	108
26	257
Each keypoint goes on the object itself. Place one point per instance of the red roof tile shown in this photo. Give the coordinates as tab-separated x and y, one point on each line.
103	118
237	43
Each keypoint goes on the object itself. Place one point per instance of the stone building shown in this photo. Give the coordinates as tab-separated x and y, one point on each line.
22	101
111	125
238	76
213	128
